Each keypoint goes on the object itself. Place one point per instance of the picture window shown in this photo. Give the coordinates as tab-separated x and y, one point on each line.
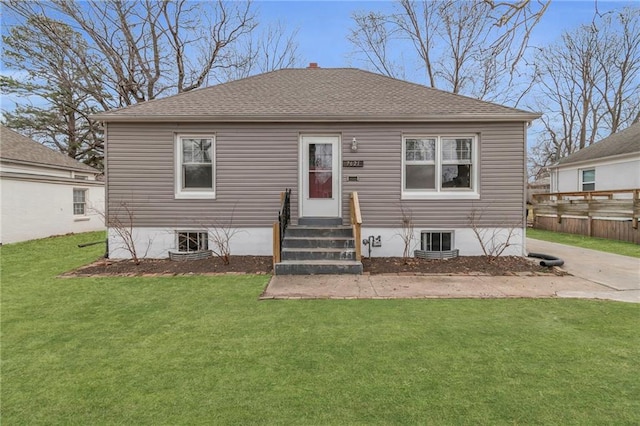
439	165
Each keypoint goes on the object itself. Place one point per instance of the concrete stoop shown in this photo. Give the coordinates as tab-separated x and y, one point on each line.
318	246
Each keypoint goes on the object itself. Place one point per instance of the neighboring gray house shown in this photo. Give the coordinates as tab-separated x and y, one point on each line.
187	161
44	192
612	163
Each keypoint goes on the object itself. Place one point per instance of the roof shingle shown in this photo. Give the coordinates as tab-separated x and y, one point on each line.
624	142
316	94
16	147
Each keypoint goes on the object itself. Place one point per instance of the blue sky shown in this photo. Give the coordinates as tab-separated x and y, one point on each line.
324	25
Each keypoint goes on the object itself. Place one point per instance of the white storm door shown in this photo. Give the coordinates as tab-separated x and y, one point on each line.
320	176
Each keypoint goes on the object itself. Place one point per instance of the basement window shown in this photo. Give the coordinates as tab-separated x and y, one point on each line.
436	241
436	245
192	241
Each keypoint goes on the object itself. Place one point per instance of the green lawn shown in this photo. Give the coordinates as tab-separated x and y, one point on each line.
203	350
602	244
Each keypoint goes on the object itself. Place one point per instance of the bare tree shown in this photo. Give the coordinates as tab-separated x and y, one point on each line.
470	48
221	232
493	241
121	221
146	49
588	85
406	233
56	113
371	38
110	54
272	49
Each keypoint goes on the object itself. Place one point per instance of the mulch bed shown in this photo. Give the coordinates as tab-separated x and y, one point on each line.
505	265
508	265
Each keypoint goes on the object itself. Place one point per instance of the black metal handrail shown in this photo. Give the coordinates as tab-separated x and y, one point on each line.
284	215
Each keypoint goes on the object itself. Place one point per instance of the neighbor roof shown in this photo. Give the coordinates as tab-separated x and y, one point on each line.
317	94
19	148
624	142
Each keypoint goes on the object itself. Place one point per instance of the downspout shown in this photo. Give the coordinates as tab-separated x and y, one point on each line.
106	185
525	126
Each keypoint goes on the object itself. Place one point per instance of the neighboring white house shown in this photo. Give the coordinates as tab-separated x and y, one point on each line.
612	163
44	192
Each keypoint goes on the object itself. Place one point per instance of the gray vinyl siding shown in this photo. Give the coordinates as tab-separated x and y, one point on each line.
255	162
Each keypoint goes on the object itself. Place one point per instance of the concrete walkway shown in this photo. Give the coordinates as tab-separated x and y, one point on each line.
619	275
596	275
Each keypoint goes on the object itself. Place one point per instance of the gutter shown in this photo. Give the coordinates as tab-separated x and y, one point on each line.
475	118
49	179
598	160
74	168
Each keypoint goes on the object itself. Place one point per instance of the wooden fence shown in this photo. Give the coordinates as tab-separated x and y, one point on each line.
605	214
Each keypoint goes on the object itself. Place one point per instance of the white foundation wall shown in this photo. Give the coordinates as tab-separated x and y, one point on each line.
155	243
33	210
464	239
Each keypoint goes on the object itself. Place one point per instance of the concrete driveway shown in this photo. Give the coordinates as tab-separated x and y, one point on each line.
595	275
620	275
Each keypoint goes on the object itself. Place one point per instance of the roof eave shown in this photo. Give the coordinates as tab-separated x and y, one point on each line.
89	169
133	118
595	160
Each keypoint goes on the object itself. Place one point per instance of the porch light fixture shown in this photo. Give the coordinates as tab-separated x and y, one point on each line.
354	145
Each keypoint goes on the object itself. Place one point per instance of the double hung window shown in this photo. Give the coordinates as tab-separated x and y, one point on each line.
79	202
588	179
195	167
440	166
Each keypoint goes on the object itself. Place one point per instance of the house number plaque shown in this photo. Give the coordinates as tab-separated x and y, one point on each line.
353	163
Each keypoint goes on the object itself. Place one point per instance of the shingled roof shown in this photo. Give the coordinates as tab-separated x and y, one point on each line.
317	94
21	149
624	142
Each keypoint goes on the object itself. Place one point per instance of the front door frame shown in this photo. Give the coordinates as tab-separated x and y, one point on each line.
303	170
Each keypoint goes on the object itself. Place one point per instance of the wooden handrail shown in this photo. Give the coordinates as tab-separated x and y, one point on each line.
276	243
356	222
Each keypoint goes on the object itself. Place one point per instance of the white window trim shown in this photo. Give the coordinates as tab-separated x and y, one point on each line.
181	193
439	231
457	194
582	182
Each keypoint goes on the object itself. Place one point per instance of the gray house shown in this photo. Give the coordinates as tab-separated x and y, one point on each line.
613	163
187	162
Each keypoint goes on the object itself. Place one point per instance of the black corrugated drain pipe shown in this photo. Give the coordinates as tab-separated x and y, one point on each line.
548	260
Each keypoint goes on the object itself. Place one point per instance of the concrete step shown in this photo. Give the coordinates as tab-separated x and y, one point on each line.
320	221
317	267
318	254
318	242
318	231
